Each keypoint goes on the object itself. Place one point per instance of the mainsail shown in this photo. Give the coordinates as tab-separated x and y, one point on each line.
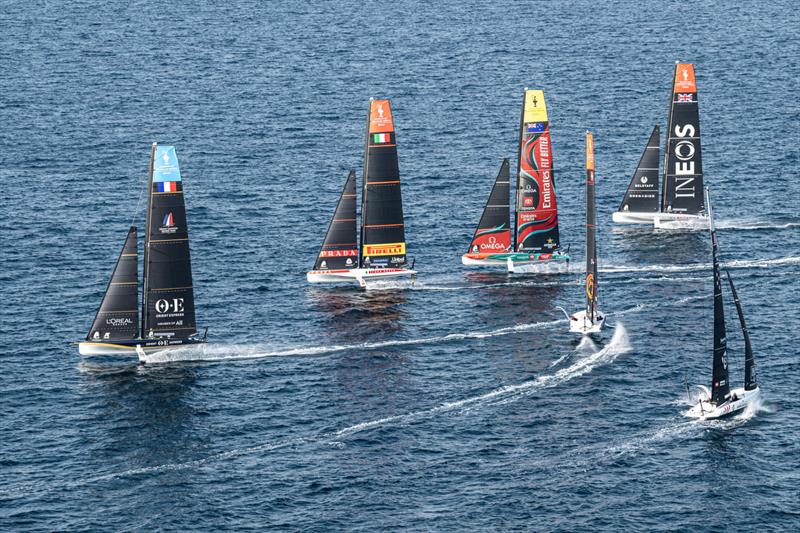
642	193
750	382
382	229
537	213
117	317
340	249
493	234
683	166
591	231
168	299
720	386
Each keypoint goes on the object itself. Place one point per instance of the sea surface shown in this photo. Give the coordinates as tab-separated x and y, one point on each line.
459	405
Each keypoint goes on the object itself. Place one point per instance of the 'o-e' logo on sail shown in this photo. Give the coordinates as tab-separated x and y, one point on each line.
175	305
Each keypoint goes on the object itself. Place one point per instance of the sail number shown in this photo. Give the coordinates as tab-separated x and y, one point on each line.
175	305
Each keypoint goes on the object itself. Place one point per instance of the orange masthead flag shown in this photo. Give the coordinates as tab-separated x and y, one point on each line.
684	78
380	117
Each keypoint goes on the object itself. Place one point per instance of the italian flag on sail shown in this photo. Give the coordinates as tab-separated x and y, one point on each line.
380	137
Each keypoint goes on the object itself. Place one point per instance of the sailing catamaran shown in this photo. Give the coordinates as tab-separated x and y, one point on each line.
681	203
721	400
533	246
383	246
168	315
589	320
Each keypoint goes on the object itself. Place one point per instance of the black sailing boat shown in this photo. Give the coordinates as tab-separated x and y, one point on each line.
534	244
589	320
382	234
682	198
721	400
167	306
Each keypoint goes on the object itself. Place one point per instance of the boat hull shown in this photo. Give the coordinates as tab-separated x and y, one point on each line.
133	348
629	217
578	323
706	410
521	263
361	276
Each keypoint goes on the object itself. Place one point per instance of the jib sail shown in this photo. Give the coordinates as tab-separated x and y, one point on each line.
591	231
493	234
683	165
720	386
383	242
537	213
750	381
642	193
168	301
340	249
118	316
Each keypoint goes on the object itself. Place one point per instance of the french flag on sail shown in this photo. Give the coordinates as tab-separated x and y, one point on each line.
167	186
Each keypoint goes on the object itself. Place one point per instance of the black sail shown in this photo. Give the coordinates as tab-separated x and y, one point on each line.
117	317
683	164
591	231
720	386
750	381
340	249
493	234
642	193
168	302
382	227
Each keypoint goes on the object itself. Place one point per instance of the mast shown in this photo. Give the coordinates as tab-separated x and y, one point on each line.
642	193
169	293
339	249
720	385
683	167
536	228
591	231
382	226
117	317
750	381
493	234
147	237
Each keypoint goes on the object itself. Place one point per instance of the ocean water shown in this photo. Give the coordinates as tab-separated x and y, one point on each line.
460	404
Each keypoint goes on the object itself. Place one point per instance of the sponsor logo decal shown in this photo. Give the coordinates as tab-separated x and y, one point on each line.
338	253
323	265
173	306
168	224
119	322
590	286
380	117
394	248
527	201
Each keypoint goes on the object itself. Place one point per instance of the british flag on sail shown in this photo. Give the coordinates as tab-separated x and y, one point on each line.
685	97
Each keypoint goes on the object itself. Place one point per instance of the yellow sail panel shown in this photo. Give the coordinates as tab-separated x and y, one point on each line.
535	108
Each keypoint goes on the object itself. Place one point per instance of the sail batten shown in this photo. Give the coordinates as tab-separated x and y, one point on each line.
536	220
117	317
340	248
382	223
642	193
168	299
682	191
493	234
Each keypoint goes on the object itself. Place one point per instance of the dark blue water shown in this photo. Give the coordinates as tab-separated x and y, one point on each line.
461	404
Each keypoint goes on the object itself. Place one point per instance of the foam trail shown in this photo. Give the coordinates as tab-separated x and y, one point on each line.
223	353
619	344
743	263
754	224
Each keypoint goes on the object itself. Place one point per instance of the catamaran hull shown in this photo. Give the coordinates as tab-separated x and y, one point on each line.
132	348
538	263
706	410
628	217
578	323
359	275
